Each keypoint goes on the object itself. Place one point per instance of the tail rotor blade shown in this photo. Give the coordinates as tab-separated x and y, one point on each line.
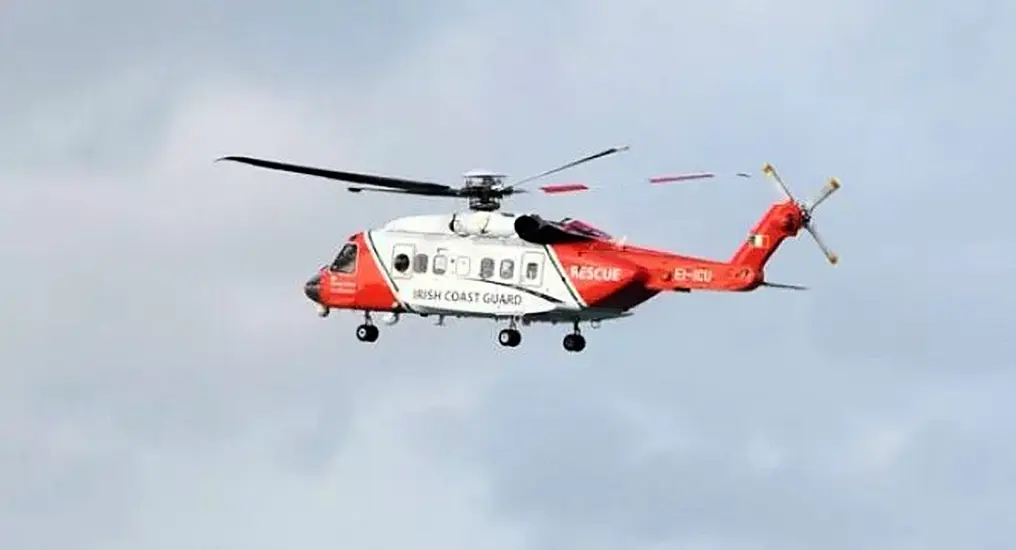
829	254
770	171
824	194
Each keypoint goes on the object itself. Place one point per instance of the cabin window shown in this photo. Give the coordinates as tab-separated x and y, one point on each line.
420	263
345	261
462	266
532	271
401	263
486	268
440	264
507	269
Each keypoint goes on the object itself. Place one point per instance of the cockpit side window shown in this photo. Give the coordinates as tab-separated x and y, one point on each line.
345	262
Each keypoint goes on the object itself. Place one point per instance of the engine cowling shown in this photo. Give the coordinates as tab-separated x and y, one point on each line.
480	224
534	229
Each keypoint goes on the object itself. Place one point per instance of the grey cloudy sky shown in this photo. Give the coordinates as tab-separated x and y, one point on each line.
165	384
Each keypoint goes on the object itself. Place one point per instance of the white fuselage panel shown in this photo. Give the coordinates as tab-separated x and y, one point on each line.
472	276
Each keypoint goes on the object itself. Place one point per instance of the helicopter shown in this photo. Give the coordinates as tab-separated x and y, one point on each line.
484	263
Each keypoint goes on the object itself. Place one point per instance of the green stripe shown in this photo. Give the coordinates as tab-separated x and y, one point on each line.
560	273
380	260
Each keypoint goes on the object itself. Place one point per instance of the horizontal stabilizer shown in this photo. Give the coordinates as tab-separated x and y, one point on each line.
784	286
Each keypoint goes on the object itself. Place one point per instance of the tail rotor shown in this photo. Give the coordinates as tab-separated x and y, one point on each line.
807	208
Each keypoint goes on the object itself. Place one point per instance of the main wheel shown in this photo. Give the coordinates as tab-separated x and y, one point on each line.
574	342
367	333
509	337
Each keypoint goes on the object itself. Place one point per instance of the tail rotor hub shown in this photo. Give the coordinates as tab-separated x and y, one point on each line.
805	214
807	209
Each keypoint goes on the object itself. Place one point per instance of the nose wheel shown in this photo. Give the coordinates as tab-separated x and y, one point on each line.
368	331
574	342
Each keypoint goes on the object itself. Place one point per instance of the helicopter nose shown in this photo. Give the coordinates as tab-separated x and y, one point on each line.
312	288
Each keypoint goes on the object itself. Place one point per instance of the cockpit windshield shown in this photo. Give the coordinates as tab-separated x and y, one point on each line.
345	262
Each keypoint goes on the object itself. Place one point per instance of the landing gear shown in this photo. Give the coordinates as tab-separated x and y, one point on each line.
323	310
510	337
575	342
368	331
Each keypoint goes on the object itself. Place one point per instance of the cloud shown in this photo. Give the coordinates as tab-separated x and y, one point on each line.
165	380
165	383
781	420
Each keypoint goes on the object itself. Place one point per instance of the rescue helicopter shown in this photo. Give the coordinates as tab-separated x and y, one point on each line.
521	269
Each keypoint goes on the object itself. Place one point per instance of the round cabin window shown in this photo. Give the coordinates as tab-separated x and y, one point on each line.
401	263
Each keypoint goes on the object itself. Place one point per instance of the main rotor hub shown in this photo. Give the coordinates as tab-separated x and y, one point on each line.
484	189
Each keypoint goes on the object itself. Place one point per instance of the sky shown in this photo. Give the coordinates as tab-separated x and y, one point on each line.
165	384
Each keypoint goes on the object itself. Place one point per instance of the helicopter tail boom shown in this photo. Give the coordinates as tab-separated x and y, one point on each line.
745	270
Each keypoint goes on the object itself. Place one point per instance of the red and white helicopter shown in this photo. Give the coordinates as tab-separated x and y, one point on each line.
484	263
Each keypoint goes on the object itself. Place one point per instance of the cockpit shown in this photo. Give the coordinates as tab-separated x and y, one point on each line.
345	261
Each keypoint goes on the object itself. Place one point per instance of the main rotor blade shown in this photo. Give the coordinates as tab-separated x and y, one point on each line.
352	177
562	188
672	178
425	193
572	164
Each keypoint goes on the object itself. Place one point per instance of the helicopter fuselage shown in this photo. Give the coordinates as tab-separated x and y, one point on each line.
474	265
522	268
